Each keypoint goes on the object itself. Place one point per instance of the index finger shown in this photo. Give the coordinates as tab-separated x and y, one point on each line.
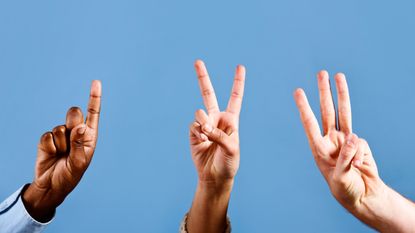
94	105
308	118
206	88
235	101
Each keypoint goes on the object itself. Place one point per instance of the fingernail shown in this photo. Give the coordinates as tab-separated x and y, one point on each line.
358	163
203	137
81	130
207	128
349	140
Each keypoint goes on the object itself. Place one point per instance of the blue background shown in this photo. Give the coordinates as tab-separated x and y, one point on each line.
142	178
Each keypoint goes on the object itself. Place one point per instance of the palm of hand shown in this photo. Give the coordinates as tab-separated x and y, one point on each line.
214	137
350	173
350	186
61	172
211	160
65	153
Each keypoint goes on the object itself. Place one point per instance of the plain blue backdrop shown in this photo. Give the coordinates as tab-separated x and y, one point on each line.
142	178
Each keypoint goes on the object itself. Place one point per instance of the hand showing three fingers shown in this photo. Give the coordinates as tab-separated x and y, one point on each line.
214	137
63	156
345	160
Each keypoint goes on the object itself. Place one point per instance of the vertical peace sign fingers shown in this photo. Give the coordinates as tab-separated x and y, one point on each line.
235	101
345	110
94	105
328	113
308	118
206	88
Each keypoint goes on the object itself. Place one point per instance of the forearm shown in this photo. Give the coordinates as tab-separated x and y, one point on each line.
209	209
390	213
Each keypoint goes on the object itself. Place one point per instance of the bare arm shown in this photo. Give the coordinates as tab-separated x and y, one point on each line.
214	140
347	163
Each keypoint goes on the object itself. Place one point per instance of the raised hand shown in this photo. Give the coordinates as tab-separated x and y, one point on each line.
63	157
346	161
214	141
214	137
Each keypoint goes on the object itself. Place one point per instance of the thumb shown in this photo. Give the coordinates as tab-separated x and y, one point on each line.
366	164
218	136
347	153
77	152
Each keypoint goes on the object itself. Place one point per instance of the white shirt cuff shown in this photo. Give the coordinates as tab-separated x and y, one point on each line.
14	217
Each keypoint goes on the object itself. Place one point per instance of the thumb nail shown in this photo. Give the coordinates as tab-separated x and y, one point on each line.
358	163
81	130
350	141
207	128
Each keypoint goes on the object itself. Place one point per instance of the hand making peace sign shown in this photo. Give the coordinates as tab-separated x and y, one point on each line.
214	136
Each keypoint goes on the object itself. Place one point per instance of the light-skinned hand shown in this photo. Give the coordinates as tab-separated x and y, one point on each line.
346	161
214	141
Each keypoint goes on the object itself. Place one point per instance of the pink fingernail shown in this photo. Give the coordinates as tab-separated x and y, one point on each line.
203	137
81	130
350	141
358	163
207	128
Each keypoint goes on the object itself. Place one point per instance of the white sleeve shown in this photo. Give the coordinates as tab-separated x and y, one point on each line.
14	217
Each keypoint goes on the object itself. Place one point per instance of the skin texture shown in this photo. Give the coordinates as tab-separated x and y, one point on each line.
63	156
214	142
347	163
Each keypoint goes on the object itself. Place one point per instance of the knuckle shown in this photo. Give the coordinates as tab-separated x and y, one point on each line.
46	136
207	92
342	91
78	143
59	130
202	76
46	143
236	95
93	110
239	78
94	96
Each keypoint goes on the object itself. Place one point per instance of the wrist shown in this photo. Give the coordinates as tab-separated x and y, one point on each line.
213	196
388	211
38	203
209	207
215	188
371	206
